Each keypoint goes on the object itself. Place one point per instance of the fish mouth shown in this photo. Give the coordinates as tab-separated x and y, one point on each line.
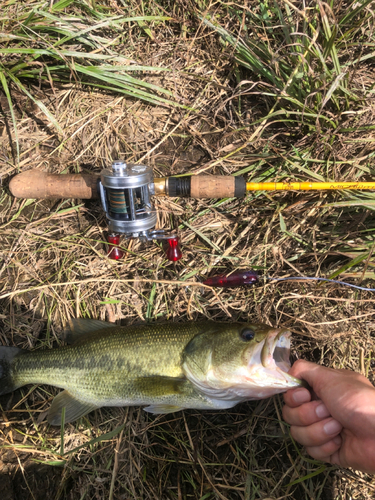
276	352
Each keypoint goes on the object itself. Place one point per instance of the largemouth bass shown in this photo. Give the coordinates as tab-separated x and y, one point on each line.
169	367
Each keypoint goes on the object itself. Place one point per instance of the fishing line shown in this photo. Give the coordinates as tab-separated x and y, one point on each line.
295	278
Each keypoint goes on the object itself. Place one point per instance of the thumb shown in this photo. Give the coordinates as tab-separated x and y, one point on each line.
315	375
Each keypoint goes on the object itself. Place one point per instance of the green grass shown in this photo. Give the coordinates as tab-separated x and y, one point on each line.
300	65
48	50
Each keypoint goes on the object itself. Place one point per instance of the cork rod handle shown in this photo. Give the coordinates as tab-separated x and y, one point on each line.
41	185
217	186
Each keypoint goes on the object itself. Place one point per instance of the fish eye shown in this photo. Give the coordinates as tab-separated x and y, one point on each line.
247	334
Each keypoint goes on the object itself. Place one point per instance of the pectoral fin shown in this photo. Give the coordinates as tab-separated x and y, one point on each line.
159	387
155	386
160	409
74	408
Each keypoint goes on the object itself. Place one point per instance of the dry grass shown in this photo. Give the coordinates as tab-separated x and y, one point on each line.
54	266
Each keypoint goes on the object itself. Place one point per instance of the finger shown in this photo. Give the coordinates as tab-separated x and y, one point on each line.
315	375
297	397
306	414
306	370
326	452
302	368
316	434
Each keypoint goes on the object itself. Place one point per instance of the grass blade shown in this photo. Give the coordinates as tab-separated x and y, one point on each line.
62	431
352	13
3	82
61	4
350	264
40	105
308	476
103	437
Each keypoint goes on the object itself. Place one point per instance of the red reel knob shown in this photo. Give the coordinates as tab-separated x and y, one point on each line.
114	252
172	249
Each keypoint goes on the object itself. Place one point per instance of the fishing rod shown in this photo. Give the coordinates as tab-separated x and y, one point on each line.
126	190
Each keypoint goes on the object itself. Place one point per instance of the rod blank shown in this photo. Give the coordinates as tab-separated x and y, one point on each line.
307	186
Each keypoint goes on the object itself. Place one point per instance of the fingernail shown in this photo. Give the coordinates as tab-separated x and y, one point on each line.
321	411
332	427
301	396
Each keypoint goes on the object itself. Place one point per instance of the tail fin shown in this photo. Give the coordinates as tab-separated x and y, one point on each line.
7	354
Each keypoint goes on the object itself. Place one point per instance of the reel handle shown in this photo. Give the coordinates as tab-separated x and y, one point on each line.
42	185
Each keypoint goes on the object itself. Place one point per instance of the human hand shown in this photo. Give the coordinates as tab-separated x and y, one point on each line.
339	425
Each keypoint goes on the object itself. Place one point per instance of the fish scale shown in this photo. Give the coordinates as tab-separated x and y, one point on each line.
106	365
167	366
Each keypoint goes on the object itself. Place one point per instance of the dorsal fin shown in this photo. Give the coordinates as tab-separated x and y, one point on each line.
82	328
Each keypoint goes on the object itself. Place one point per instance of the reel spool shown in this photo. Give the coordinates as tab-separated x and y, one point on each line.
125	191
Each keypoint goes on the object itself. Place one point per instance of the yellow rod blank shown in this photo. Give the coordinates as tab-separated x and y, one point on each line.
307	186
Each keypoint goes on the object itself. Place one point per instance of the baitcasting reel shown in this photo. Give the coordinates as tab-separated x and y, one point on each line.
125	192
